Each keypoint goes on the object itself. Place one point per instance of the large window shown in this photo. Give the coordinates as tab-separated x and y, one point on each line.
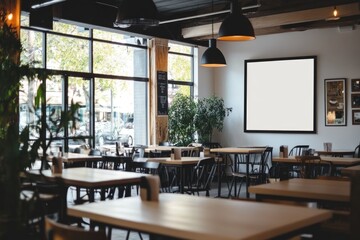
105	72
180	70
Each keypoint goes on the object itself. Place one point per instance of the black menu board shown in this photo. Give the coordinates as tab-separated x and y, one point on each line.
162	93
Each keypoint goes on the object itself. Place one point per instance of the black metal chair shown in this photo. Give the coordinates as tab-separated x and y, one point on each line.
200	177
257	171
55	230
357	151
298	150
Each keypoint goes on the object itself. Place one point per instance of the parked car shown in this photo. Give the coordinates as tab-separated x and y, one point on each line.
107	137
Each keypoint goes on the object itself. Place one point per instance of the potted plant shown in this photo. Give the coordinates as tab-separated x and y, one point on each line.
181	117
210	115
16	153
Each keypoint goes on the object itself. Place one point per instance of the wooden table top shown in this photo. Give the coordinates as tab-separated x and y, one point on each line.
335	152
338	161
350	171
167	148
327	190
168	161
192	217
93	177
77	157
237	150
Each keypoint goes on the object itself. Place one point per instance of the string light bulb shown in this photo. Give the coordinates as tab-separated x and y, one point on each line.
335	15
10	16
335	12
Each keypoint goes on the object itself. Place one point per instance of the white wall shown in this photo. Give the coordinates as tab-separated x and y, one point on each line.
338	57
205	78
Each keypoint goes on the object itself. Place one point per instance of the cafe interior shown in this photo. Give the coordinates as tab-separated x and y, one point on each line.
104	147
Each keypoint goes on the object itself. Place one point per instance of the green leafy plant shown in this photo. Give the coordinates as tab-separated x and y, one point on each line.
16	151
210	115
13	150
187	117
181	117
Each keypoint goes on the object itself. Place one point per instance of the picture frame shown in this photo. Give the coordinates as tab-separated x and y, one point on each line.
355	85
355	100
335	102
290	78
356	117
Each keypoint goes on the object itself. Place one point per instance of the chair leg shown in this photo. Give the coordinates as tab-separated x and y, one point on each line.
109	233
241	182
231	186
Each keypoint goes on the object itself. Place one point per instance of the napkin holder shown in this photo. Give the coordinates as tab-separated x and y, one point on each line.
149	188
177	153
284	151
327	146
57	165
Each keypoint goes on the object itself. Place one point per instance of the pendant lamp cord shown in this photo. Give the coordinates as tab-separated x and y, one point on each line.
212	19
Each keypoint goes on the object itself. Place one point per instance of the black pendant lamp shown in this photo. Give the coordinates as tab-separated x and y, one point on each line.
236	27
137	13
213	57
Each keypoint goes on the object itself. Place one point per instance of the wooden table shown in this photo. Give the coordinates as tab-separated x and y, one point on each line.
168	161
79	157
167	148
334	161
236	152
305	190
76	159
351	171
336	152
90	178
183	164
190	217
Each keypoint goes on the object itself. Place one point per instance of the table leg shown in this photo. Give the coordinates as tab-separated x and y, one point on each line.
247	176
182	180
219	175
91	195
236	163
63	205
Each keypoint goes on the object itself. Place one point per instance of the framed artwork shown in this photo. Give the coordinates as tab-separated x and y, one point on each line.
355	100
335	102
355	85
356	117
286	100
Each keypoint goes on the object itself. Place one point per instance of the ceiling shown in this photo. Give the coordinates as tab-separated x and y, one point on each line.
191	20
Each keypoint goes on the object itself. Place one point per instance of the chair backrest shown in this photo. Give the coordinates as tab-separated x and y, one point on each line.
203	174
59	231
298	150
280	172
257	161
164	144
357	151
211	145
195	152
268	155
143	167
310	166
119	162
95	152
77	150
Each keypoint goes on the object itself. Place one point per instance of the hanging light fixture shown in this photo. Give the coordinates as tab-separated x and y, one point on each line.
213	57
236	27
335	15
137	13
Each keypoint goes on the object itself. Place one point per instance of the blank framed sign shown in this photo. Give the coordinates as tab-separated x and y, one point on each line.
280	95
